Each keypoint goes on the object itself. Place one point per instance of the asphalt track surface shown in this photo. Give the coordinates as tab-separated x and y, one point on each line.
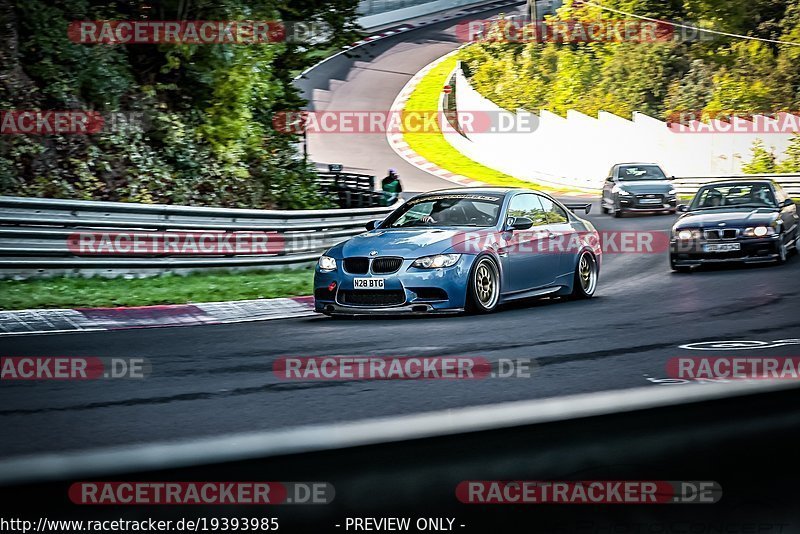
369	80
217	380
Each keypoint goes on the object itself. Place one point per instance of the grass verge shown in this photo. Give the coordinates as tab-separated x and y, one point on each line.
74	292
435	148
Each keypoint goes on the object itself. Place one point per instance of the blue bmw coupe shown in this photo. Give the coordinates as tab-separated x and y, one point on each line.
458	250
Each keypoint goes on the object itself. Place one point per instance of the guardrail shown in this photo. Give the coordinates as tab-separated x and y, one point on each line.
38	236
690	185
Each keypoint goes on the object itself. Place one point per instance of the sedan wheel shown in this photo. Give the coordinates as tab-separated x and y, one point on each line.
586	274
782	255
484	286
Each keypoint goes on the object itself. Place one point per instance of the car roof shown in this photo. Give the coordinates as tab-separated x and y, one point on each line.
740	181
462	190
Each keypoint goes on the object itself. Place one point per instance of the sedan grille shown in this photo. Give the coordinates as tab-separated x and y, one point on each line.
356	265
386	265
372	298
728	233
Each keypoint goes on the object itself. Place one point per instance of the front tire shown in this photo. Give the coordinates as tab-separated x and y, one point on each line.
586	274
782	254
484	286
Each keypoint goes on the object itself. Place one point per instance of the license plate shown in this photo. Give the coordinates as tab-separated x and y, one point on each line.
650	201
722	247
368	283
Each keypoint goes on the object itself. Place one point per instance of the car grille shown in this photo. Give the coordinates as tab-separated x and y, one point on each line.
356	265
372	298
728	233
386	265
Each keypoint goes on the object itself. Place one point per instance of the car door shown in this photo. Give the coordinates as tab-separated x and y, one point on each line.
531	262
562	234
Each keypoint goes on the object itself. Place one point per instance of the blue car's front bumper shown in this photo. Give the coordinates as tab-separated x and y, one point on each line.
408	290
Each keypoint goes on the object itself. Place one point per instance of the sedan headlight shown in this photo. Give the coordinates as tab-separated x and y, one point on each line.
686	235
436	262
672	192
620	191
326	263
759	231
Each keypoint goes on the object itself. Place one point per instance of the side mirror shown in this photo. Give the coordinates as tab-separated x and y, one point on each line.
683	208
671	177
371	225
610	179
518	223
579	207
788	202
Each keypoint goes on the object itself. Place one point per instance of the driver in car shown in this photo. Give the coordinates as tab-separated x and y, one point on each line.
761	194
713	199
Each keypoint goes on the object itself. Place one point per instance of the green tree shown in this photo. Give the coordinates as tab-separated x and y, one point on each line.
763	161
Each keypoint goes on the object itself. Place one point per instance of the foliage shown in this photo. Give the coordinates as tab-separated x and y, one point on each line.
659	78
202	132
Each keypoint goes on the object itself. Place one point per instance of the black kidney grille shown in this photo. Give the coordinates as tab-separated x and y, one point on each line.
386	265
356	265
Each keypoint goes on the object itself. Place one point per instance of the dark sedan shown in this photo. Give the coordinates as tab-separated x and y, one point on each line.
735	221
637	187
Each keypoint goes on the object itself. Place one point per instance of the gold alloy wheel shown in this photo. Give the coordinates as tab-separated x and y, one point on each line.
587	273
487	284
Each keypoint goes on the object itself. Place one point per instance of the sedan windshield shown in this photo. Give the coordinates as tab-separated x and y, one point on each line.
738	195
447	210
631	173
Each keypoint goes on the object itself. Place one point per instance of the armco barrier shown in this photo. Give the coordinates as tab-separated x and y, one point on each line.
576	150
35	235
789	182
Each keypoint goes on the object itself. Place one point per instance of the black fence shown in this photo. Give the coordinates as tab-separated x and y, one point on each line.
350	190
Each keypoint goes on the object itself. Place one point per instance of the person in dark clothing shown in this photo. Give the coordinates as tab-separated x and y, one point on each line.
391	188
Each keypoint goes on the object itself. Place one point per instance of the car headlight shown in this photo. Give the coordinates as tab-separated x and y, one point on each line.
759	231
326	263
672	192
686	235
620	191
436	262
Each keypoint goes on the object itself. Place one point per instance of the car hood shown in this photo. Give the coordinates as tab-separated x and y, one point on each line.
647	186
404	242
742	217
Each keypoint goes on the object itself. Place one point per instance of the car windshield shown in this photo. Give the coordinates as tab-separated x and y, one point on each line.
632	173
755	195
447	210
